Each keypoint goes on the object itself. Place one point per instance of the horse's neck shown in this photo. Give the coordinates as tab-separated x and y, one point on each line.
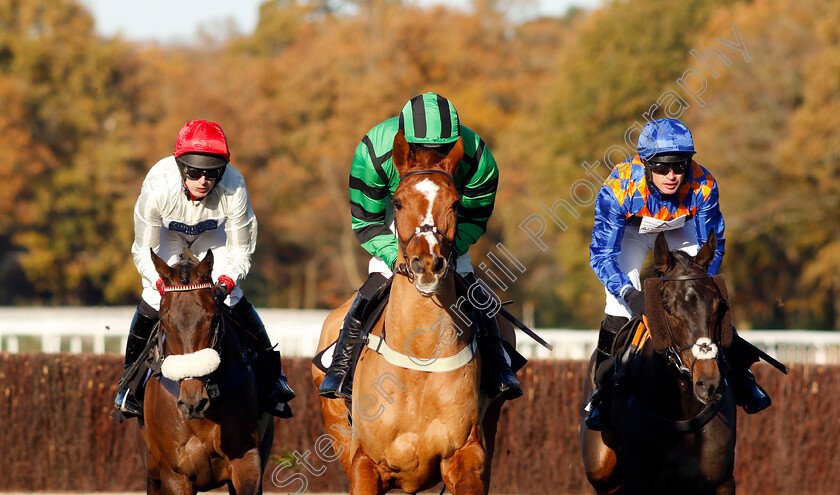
671	395
409	311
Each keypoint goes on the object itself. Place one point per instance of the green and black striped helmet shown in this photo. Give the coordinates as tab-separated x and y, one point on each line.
430	119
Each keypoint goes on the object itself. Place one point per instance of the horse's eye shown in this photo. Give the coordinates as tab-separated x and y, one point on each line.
668	310
397	204
456	205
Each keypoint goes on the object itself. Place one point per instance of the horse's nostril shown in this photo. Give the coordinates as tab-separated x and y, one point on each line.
440	266
416	265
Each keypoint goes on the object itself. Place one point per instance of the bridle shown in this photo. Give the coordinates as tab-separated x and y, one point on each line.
405	268
216	325
672	353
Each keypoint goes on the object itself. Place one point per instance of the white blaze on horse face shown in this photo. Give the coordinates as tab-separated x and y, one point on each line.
429	190
704	348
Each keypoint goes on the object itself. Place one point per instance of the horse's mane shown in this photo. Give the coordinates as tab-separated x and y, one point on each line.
184	270
684	263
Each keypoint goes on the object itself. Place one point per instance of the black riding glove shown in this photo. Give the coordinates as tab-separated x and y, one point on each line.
636	300
223	287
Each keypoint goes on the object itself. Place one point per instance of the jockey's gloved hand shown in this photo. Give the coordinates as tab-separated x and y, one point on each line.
636	300
224	286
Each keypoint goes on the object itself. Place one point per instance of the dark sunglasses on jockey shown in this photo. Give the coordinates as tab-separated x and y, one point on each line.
197	173
195	166
662	165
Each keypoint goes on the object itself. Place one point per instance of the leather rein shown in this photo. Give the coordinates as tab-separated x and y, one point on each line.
405	268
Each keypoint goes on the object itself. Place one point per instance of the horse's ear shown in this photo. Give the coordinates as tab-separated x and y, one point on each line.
162	268
400	153
205	268
663	260
706	254
456	154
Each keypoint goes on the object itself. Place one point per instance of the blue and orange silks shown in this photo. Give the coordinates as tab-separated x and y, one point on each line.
626	197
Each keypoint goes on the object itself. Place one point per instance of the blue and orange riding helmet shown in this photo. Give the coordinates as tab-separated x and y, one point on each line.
665	140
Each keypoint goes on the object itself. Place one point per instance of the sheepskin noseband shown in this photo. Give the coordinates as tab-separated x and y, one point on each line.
177	367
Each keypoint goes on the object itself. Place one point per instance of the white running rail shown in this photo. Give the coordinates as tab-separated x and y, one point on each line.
104	329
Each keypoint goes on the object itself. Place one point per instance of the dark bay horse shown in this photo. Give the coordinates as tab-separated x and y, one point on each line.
194	438
673	414
418	417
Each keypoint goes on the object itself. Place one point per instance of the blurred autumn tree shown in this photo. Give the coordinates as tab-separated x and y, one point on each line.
772	128
67	119
84	118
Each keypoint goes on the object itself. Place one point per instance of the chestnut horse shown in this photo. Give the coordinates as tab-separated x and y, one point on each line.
673	417
418	417
193	438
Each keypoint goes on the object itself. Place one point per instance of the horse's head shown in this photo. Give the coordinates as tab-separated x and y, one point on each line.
191	323
426	210
688	312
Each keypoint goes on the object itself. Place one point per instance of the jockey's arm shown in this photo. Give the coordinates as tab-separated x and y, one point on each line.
605	246
478	196
369	195
709	218
147	225
241	234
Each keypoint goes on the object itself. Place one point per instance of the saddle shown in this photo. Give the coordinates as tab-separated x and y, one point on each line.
627	345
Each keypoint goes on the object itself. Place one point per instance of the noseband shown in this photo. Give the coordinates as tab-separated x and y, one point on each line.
405	268
672	353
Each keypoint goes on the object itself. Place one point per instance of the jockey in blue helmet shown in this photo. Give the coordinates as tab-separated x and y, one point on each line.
661	189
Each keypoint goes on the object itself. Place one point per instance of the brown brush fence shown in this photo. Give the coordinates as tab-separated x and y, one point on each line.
56	433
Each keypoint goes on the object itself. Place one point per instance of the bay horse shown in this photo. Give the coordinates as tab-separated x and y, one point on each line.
673	414
202	428
418	416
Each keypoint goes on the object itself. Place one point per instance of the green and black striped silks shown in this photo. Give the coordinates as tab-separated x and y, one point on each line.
430	119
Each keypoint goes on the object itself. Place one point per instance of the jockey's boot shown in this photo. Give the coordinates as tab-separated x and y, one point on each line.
503	382
338	382
273	387
748	393
597	409
129	401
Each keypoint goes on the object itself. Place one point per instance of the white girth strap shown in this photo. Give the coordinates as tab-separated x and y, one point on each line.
439	365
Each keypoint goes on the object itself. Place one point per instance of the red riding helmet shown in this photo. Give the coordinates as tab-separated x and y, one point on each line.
203	138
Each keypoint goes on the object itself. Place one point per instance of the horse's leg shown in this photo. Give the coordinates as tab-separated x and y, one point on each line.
490	426
334	411
175	483
364	477
599	460
727	488
465	472
246	474
152	486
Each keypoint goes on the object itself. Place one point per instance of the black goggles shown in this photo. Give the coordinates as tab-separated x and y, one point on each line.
197	173
662	168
